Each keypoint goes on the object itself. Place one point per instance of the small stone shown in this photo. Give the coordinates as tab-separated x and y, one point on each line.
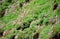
16	37
5	33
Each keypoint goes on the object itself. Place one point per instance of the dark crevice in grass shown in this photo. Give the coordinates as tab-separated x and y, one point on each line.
25	26
18	28
55	6
0	4
41	22
1	34
47	23
27	0
54	1
9	1
21	4
2	13
56	36
35	17
36	36
13	37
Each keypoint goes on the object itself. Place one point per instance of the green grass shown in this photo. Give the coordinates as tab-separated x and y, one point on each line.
30	19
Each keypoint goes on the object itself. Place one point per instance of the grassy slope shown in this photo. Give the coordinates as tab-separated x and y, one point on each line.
34	17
